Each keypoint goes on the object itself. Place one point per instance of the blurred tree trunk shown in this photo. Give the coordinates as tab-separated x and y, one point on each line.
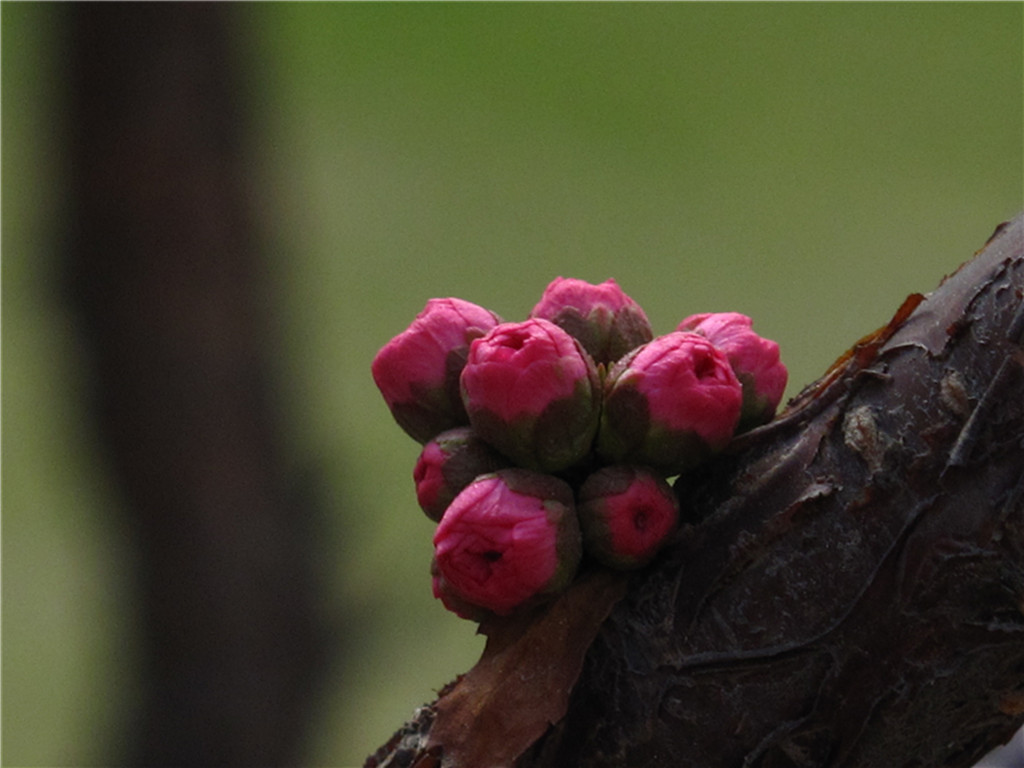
848	591
166	277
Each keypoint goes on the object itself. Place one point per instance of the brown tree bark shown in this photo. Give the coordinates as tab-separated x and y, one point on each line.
165	273
848	591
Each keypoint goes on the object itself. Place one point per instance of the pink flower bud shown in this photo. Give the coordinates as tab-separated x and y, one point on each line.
626	514
669	404
508	538
754	360
417	372
533	393
449	463
606	321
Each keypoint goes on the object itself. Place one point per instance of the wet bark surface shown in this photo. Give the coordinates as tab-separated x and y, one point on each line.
849	589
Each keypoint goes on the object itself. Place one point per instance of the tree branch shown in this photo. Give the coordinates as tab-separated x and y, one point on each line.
849	590
167	279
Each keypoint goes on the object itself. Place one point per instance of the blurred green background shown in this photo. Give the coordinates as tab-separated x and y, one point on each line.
807	164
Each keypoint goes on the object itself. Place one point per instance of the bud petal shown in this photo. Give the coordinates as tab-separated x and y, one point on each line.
606	321
508	538
449	463
418	371
443	591
533	393
669	404
626	515
754	360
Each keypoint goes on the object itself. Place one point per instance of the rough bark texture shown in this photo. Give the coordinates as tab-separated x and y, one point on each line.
849	591
166	275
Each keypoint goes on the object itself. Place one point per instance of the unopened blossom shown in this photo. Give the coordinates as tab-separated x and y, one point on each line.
509	538
606	321
754	360
533	392
418	371
669	404
626	513
449	463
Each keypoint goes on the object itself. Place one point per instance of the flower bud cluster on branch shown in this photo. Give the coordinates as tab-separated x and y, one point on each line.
552	440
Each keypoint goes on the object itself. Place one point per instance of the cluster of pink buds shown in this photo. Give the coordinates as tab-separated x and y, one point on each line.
550	441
